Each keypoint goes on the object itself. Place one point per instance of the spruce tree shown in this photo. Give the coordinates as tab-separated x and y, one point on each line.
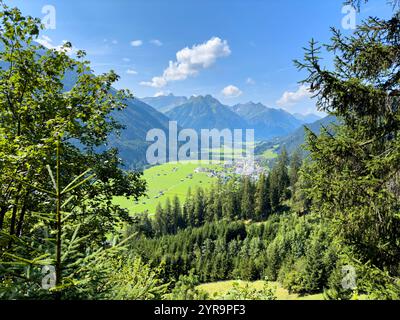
229	211
279	181
355	168
159	221
262	198
210	199
247	203
199	207
176	214
294	167
188	214
217	204
169	218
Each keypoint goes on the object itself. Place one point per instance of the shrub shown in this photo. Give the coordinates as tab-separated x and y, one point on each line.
240	292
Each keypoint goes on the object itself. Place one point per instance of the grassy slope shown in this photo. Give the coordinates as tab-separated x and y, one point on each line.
171	179
282	294
271	153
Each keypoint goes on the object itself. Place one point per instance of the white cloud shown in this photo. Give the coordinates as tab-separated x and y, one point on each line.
189	62
131	72
290	98
156	42
136	43
47	42
160	94
231	92
250	81
126	59
112	41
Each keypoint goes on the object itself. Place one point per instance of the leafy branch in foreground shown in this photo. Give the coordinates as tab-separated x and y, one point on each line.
55	113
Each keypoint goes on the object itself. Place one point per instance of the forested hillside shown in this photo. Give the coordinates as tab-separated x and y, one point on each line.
136	120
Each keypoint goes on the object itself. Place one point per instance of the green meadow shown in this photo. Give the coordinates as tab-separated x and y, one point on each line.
271	153
167	180
216	289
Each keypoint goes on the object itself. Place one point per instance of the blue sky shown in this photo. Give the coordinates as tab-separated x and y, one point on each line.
244	47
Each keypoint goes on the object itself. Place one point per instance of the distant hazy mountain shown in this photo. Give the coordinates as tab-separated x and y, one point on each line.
296	139
202	112
249	110
206	112
267	122
307	118
138	118
165	103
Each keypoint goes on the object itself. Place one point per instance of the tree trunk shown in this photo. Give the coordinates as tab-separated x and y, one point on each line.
3	211
21	220
59	224
12	223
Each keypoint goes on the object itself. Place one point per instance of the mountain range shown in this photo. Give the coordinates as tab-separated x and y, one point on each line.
206	112
307	118
297	138
165	103
137	118
198	112
267	122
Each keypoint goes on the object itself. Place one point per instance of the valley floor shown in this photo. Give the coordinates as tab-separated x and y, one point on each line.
215	289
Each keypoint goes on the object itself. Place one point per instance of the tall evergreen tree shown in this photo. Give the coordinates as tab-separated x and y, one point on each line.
176	214
247	203
168	216
210	199
217	204
160	224
279	180
355	168
229	210
199	207
262	198
188	210
294	168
